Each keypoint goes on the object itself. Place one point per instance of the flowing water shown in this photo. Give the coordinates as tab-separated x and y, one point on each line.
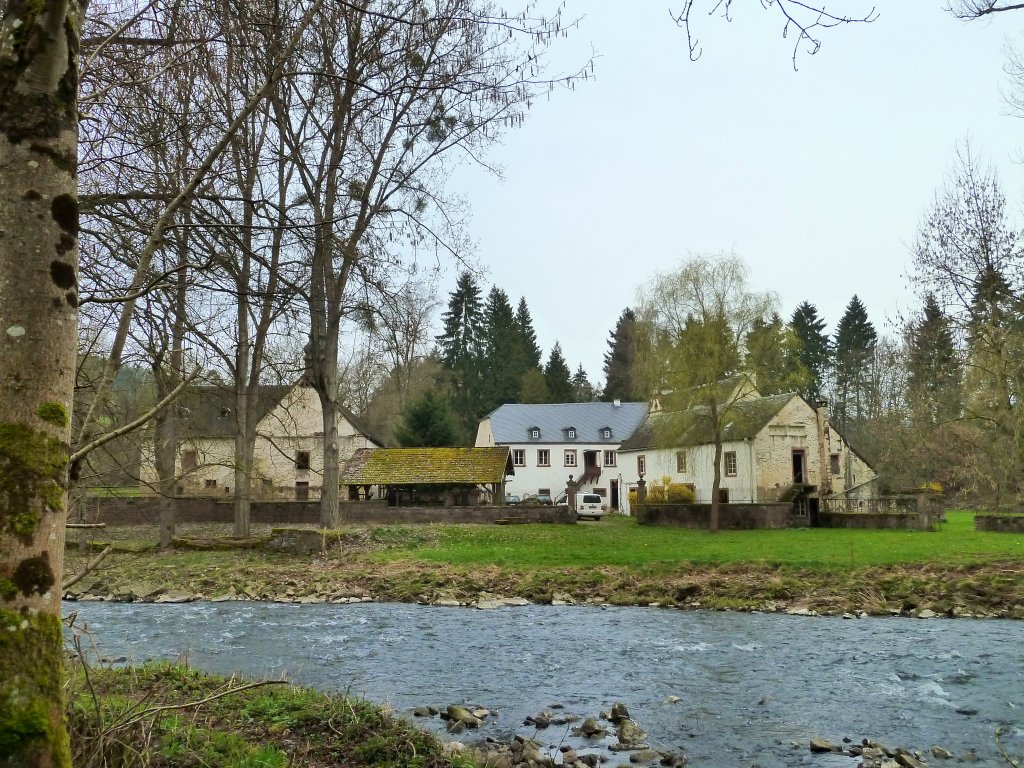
749	685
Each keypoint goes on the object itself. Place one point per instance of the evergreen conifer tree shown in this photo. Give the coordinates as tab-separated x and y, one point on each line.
855	341
504	355
934	370
583	390
556	372
460	349
620	358
524	323
428	422
772	356
814	350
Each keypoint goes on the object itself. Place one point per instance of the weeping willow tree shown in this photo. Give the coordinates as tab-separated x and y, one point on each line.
691	324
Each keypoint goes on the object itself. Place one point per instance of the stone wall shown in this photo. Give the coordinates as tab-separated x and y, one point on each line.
144	510
730	516
999	523
904	521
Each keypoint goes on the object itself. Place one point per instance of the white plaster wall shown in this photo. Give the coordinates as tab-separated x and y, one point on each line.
529	479
700	469
296	424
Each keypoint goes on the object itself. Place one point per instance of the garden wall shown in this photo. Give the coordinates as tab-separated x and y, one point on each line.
904	521
145	511
999	523
730	516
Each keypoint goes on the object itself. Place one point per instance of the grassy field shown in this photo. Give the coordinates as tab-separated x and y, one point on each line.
619	541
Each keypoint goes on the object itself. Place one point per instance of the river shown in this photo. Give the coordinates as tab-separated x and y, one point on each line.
748	685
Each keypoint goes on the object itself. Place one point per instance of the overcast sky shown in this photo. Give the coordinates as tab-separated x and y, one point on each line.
817	178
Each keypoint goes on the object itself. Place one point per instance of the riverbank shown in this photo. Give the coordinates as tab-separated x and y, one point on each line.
956	572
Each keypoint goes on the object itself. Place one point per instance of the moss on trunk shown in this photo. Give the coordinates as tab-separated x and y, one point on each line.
32	725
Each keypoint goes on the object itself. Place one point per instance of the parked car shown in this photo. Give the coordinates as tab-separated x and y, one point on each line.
511	500
538	500
590	505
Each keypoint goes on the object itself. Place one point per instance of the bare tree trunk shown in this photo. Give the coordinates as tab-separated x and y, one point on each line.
330	507
38	301
243	483
165	456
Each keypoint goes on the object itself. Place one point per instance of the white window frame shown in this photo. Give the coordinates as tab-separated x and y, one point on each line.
641	465
610	458
681	462
729	465
570	458
570	433
543	457
519	457
606	434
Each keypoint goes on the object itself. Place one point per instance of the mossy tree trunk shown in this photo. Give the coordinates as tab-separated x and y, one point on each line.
38	312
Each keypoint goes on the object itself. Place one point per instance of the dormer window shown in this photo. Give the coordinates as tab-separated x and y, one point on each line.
570	433
535	433
606	433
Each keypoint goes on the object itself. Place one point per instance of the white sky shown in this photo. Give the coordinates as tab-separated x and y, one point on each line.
818	178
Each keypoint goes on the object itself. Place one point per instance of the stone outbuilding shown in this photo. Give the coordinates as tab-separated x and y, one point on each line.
429	476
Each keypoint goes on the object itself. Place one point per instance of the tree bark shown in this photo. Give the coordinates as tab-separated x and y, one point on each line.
714	520
38	313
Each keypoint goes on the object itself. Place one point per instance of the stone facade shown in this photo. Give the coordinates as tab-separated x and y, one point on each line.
999	523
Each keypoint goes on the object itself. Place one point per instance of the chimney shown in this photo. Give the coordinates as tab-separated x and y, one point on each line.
824	448
616	402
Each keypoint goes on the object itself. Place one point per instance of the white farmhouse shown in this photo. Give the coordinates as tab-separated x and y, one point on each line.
776	447
550	443
288	457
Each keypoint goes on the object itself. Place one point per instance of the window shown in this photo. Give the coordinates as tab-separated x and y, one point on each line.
570	458
606	433
570	433
544	492
641	465
519	457
189	461
681	462
730	463
834	467
210	483
543	458
609	458
302	491
535	433
302	459
723	495
602	492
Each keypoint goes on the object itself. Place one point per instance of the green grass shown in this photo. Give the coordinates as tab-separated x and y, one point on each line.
618	541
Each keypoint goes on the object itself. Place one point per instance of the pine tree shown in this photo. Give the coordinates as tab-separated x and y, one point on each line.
934	370
556	372
524	323
814	350
855	341
428	422
772	356
460	349
534	387
620	358
504	356
583	390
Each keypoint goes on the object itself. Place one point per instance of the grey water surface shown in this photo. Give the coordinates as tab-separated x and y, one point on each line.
749	685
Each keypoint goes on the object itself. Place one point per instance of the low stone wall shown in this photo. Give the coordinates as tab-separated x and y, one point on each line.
730	516
903	521
999	523
145	510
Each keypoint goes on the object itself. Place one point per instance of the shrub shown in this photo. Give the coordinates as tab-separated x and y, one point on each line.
678	493
656	494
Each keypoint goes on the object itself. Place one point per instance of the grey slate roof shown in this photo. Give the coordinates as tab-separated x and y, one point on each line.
512	423
745	419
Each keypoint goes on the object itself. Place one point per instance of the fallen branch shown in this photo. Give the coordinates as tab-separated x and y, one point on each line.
91	566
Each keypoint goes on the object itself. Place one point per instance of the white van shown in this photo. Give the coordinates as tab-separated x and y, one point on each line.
590	505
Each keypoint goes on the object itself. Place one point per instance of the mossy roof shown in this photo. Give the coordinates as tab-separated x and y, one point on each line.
427	466
743	420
